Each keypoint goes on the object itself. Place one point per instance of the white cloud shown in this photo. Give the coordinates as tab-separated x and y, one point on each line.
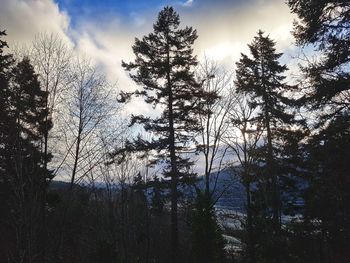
24	19
188	3
107	48
223	32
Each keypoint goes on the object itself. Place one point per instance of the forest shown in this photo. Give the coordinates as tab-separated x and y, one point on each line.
246	165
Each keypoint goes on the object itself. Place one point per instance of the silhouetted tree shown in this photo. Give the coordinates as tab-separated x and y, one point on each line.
214	119
24	161
163	66
324	26
328	198
50	58
243	138
6	63
207	240
214	124
157	198
6	122
86	128
261	77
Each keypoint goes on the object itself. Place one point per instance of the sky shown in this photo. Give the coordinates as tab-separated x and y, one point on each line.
105	30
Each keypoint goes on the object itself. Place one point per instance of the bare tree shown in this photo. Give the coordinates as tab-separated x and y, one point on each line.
243	137
207	245
87	123
118	177
51	58
215	121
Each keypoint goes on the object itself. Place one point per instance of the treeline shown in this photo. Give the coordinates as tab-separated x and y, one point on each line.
288	143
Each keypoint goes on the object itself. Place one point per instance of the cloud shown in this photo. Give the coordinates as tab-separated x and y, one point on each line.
224	28
187	3
107	48
225	32
106	42
24	19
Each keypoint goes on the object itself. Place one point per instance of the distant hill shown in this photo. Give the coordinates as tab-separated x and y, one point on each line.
58	185
229	191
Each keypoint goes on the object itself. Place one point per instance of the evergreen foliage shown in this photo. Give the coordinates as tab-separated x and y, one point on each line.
293	167
24	117
207	240
164	68
262	78
325	26
157	198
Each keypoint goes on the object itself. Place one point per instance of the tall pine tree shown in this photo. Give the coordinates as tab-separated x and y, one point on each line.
325	26
25	160
6	64
23	118
164	68
262	78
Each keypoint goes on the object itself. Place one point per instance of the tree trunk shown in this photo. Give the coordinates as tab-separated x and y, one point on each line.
273	176
250	245
76	158
174	182
174	175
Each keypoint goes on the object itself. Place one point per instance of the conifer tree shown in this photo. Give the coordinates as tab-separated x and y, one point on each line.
22	122
6	63
157	198
324	26
164	68
23	118
25	159
261	77
207	240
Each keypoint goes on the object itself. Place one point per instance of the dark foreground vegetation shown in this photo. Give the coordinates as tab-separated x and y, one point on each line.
286	139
